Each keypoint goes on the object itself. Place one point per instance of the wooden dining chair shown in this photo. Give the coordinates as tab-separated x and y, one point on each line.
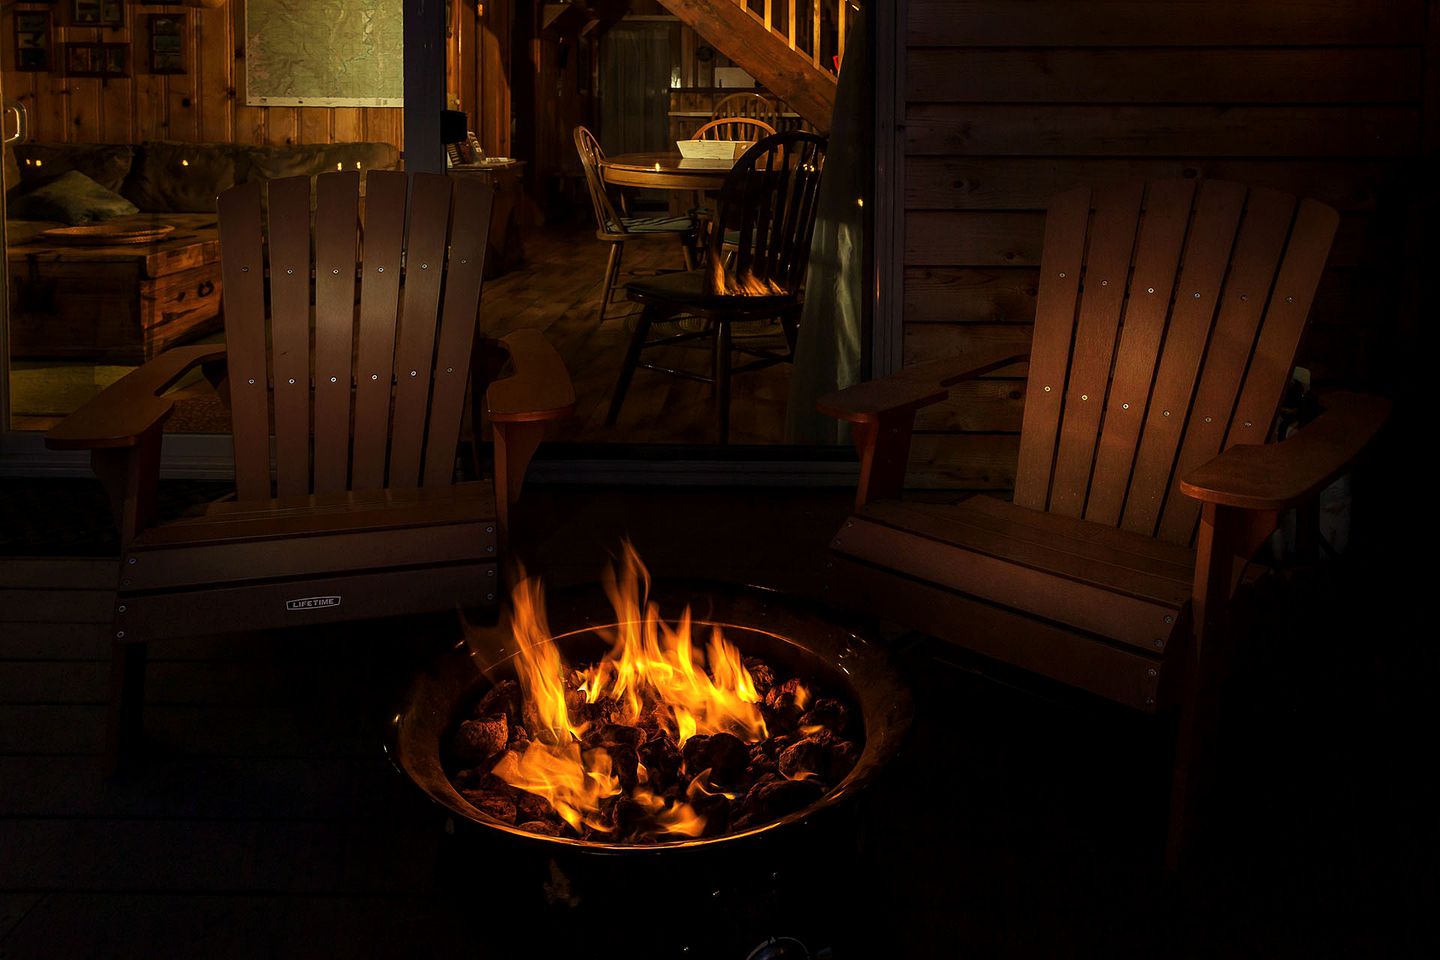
753	105
741	129
346	413
758	249
615	226
1165	332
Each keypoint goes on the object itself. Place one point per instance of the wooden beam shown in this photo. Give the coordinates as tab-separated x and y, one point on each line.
730	28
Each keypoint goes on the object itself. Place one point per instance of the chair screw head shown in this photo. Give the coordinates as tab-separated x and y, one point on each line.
289	271
251	381
1169	619
374	376
1149	289
1165	413
489	529
244	269
489	596
1084	396
489	573
1159	643
1104	283
1124	406
449	369
131	561
119	634
292	379
424	266
334	379
1149	701
1249	424
464	260
1062	276
1207	419
1150	672
1289	299
122	608
1047	389
1244	297
335	271
379	269
412	373
490	549
1197	295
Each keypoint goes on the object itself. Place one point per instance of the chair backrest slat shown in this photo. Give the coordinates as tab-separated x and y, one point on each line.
1062	254
734	128
1152	282
379	299
607	218
242	277
290	332
753	105
766	214
1286	311
418	305
1107	268
337	219
415	343
1198	298
1190	309
456	337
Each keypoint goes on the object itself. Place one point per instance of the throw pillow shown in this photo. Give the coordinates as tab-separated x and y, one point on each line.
72	198
180	177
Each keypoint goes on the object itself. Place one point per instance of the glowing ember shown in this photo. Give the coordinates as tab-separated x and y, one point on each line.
657	740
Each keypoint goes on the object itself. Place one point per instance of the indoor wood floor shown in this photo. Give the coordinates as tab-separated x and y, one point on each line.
1018	821
557	290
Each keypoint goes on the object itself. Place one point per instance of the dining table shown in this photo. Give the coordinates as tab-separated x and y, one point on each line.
664	171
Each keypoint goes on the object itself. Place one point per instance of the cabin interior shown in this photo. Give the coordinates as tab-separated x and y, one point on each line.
789	313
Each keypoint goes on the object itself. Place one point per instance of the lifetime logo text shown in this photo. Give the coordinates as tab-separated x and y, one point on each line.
312	603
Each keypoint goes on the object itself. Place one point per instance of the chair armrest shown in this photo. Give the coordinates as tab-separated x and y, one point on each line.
131	406
916	386
1277	476
539	386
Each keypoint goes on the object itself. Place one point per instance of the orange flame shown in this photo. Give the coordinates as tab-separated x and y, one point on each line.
654	677
724	282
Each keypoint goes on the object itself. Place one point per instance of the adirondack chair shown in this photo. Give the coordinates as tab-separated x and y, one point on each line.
361	516
1166	327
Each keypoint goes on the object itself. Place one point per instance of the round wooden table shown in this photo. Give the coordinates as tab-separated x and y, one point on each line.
664	171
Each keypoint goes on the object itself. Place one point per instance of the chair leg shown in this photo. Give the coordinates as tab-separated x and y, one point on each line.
687	251
722	381
632	357
123	722
612	273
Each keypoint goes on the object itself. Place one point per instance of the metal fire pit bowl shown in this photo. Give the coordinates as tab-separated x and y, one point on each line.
797	637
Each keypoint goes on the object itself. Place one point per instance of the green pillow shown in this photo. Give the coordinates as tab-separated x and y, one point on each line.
72	198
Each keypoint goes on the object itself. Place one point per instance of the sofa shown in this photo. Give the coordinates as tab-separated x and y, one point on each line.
125	303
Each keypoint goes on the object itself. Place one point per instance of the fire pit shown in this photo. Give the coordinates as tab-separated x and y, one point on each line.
838	707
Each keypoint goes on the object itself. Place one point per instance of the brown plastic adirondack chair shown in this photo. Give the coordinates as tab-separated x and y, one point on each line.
1165	332
361	516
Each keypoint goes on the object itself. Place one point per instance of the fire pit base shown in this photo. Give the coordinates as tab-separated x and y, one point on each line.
706	897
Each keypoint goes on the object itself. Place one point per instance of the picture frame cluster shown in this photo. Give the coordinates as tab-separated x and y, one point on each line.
163	36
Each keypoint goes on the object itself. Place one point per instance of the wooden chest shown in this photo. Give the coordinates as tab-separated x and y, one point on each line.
115	304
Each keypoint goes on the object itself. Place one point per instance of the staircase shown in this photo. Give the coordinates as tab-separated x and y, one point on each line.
793	47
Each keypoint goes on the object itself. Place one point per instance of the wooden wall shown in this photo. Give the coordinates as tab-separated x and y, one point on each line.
1010	101
478	70
205	104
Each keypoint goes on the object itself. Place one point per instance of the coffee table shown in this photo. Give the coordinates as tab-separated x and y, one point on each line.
116	303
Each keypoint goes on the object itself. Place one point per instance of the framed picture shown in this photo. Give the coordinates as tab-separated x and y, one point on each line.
97	59
98	13
32	40
167	42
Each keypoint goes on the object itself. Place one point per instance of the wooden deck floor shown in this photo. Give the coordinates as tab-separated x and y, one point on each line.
1019	822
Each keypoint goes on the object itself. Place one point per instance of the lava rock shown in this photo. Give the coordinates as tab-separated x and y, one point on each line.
723	754
806	757
662	762
770	799
495	805
761	673
505	697
783	705
544	827
475	740
826	712
529	806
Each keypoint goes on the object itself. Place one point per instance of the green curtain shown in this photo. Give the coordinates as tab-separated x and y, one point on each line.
829	352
